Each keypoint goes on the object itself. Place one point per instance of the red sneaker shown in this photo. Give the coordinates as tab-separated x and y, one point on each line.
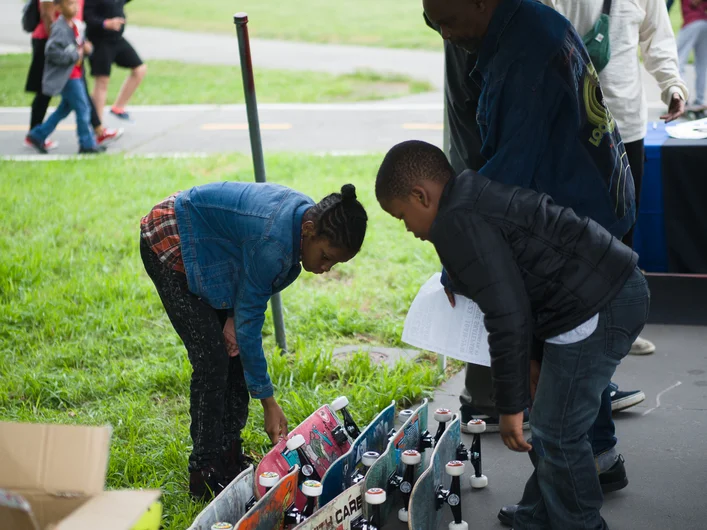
109	135
49	145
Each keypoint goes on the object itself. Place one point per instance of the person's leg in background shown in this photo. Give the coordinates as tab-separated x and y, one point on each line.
686	42
127	57
103	134
40	103
700	63
101	61
39	134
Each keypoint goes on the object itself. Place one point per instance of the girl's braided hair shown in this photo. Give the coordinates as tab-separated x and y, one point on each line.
340	218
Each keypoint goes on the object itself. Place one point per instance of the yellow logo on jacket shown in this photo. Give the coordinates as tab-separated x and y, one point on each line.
597	112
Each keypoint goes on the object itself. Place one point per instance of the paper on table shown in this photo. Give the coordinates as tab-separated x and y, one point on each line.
689	130
459	332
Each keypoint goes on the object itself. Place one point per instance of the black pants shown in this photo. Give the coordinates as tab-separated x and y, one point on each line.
219	396
636	154
40	103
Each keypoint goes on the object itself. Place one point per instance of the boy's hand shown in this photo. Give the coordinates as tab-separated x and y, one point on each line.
511	427
450	296
113	24
534	377
275	421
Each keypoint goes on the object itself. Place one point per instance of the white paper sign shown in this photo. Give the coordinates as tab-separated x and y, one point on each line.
433	324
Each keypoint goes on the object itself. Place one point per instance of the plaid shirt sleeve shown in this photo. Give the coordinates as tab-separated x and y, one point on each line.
159	229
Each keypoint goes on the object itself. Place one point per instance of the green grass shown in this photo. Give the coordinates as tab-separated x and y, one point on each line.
389	23
84	338
172	82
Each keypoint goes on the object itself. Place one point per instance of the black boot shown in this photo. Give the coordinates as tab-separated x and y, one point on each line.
206	483
235	460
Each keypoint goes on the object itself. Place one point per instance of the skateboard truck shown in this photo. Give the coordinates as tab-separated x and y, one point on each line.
307	471
339	405
426	441
478	479
452	496
375	497
442	416
367	459
411	459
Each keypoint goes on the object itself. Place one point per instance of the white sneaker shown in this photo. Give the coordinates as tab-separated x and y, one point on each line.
642	347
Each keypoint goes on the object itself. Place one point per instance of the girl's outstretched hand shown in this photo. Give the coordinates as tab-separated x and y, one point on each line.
275	420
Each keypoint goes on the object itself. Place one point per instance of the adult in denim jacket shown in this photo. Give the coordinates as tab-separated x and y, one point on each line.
542	123
216	254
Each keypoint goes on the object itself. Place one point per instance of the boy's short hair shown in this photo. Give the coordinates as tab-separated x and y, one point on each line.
407	164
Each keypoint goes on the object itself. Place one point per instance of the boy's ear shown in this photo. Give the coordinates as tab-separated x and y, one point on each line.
308	229
419	194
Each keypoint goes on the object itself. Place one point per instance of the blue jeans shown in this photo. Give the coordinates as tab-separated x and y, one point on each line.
73	97
563	492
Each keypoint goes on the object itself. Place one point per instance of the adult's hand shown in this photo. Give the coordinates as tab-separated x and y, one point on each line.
113	24
229	336
675	110
511	427
275	421
87	48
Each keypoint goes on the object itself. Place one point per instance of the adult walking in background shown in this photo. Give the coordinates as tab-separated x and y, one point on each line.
693	36
105	23
632	24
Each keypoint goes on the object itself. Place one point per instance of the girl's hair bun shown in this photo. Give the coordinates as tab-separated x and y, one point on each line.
348	193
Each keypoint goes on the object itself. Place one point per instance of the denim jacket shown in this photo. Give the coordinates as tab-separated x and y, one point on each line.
240	244
542	117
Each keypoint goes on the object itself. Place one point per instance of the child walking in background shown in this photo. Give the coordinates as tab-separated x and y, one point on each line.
216	254
63	74
537	271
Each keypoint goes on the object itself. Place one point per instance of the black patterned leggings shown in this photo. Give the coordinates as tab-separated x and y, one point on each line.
219	396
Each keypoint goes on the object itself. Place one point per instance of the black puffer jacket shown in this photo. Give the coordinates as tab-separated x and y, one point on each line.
534	268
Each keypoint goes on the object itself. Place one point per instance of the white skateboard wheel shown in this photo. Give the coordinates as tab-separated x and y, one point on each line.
375	496
455	468
411	458
295	442
369	458
221	526
268	479
476	426
443	415
458	526
403	515
339	403
479	482
405	415
312	488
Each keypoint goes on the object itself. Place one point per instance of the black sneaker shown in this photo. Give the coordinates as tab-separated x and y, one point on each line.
206	483
470	413
96	150
120	113
622	400
613	479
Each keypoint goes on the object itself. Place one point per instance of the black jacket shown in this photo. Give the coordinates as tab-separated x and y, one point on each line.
534	268
96	11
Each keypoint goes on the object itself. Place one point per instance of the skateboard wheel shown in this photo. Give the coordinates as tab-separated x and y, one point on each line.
268	479
403	515
411	458
405	415
443	415
339	403
312	488
369	457
455	468
295	442
458	526
375	496
479	482
476	426
221	526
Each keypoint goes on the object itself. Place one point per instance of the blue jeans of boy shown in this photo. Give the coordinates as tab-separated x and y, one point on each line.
73	97
563	492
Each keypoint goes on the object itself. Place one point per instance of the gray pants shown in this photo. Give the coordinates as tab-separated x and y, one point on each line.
694	36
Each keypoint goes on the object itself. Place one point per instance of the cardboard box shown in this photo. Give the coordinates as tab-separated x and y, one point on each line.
52	478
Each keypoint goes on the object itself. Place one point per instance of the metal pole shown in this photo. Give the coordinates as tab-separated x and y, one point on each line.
256	147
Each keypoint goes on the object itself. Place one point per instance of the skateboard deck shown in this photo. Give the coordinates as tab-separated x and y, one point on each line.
425	510
338	514
230	505
341	473
320	447
269	512
378	476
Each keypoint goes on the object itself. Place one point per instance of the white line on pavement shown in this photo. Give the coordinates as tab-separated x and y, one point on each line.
657	398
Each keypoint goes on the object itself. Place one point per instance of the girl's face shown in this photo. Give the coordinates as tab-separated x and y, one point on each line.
318	255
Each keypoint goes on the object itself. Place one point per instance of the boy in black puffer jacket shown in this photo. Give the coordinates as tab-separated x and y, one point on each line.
536	270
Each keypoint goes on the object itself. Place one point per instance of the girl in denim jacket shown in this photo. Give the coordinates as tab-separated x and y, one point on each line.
216	254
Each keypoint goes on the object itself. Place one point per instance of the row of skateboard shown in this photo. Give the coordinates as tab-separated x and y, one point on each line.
328	474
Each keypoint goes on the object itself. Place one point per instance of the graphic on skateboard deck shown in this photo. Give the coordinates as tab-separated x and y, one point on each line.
341	513
351	467
270	511
388	472
325	440
230	505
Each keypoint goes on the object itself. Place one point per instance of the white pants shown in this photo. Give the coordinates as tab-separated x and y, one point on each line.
694	36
